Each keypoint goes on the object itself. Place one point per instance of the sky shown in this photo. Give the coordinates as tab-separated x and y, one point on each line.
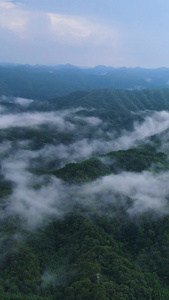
85	32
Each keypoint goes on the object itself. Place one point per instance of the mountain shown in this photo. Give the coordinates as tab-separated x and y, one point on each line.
42	82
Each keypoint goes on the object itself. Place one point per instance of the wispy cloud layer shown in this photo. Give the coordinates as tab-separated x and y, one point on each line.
147	191
90	137
63	120
101	142
36	198
33	119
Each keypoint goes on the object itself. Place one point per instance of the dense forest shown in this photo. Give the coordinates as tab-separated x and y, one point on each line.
84	189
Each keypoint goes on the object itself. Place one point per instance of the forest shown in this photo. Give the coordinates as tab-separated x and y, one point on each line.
84	193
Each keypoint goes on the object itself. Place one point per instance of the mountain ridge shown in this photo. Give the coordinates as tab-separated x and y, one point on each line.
41	82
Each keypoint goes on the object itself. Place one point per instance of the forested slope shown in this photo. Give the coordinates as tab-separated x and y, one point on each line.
117	100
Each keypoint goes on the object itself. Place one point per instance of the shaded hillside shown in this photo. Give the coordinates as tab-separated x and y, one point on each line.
119	101
118	107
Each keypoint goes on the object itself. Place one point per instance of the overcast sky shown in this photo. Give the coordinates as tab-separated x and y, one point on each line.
85	32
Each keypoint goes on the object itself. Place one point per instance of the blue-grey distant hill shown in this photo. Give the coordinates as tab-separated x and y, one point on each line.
41	82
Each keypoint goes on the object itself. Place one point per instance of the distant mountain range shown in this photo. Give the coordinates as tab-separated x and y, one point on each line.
42	82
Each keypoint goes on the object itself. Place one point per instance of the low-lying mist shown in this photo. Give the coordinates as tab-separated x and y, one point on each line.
35	198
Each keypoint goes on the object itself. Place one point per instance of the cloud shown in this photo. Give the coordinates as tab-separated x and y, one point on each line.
22	101
18	100
65	28
148	192
154	123
6	4
32	204
94	121
40	37
102	142
33	119
69	25
36	199
2	109
12	17
61	119
37	36
148	79
78	29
